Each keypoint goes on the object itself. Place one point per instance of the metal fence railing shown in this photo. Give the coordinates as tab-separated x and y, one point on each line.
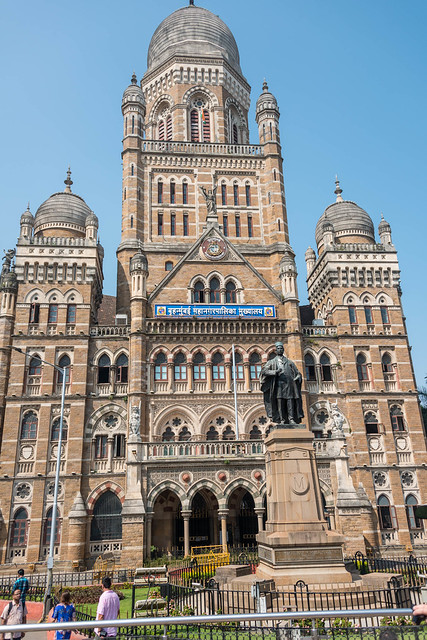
71	579
408	566
34	594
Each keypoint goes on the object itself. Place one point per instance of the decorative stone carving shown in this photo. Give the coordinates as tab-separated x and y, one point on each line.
27	452
380	479
135	421
23	491
407	478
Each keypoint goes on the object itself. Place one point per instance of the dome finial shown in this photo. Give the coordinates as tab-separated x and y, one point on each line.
265	85
68	182
28	206
134	79
191	3
338	190
382	216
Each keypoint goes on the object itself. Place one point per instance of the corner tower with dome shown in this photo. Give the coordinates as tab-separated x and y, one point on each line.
154	454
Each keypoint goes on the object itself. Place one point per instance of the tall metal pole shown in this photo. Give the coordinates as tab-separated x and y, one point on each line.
236	414
49	576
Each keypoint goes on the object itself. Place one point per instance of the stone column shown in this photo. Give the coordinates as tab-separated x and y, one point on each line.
133	507
209	375
190	377
77	519
246	369
260	518
148	533
222	515
110	454
228	376
186	515
170	376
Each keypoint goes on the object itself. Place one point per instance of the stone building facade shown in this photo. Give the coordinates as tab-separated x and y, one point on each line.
152	455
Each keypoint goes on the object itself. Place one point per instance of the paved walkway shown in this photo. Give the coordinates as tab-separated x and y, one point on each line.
35	610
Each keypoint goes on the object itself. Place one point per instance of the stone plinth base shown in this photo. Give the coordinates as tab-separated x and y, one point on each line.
226	575
315	557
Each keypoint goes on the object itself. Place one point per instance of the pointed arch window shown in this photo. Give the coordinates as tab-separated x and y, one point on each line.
254	366
104	366
218	366
64	362
35	366
325	368
180	367
387	365
397	418
184	435
240	372
228	434
362	368
230	293
160	367
122	368
386	514
310	368
371	423
413	522
168	435
18	536
214	291
212	434
54	433
107	518
199	367
255	433
199	292
29	426
47	528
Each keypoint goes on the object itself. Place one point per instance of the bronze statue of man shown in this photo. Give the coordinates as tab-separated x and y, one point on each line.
280	383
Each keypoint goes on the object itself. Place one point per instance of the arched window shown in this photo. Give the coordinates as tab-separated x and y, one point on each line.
371	422
172	193
18	535
212	434
240	372
168	265
223	194
214	291
161	130
194	125
206	126
122	368
199	367
386	513
255	433
254	366
47	528
397	419
325	368
362	367
199	292
180	367
184	435
230	293
107	518
310	368
29	426
168	435
35	366
218	367
387	366
228	434
413	521
236	194
63	362
248	195
104	365
54	432
235	134
160	367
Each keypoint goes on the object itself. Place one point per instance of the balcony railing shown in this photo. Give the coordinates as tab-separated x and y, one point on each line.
365	385
102	465
319	331
215	449
203	327
197	148
120	330
98	548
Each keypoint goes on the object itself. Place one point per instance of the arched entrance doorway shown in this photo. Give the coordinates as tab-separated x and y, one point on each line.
204	528
243	523
167	528
106	525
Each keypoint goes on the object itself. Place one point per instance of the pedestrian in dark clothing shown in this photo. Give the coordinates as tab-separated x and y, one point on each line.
22	584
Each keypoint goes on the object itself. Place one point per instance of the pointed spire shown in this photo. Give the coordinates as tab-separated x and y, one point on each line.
382	216
68	182
338	190
28	207
134	78
265	85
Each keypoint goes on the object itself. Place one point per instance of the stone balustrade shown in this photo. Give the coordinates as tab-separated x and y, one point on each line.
200	148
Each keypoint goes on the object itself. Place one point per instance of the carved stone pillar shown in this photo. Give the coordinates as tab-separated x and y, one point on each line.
222	515
260	517
186	515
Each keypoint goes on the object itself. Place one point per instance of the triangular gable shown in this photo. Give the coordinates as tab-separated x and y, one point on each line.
193	255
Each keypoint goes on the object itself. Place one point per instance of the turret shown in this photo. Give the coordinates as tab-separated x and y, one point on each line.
92	227
27	223
267	116
139	275
310	260
288	275
328	236
9	289
384	231
133	109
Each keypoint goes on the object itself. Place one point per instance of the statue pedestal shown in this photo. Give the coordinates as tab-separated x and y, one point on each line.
297	544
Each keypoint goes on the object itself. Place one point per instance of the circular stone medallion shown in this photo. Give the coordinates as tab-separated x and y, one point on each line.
214	248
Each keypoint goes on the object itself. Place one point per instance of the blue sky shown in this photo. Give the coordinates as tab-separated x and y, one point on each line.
349	77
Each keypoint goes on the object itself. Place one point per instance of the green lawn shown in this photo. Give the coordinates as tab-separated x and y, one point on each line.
125	605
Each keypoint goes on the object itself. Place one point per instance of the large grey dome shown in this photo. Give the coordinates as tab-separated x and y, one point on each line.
347	219
61	210
192	31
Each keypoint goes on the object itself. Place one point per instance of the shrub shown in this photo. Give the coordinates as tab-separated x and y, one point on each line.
85	595
396	621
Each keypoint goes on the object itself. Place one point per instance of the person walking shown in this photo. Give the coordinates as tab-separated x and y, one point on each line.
108	609
22	584
15	612
64	612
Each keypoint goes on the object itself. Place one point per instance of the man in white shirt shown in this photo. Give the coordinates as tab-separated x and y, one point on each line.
14	613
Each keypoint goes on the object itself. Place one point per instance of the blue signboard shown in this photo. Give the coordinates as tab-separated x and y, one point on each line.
214	311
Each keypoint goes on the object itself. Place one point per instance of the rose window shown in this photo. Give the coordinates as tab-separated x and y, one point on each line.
23	491
380	479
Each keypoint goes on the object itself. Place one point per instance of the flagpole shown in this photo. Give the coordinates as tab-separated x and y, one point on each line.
236	415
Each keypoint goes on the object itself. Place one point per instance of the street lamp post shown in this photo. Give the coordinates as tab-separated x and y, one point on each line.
50	558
